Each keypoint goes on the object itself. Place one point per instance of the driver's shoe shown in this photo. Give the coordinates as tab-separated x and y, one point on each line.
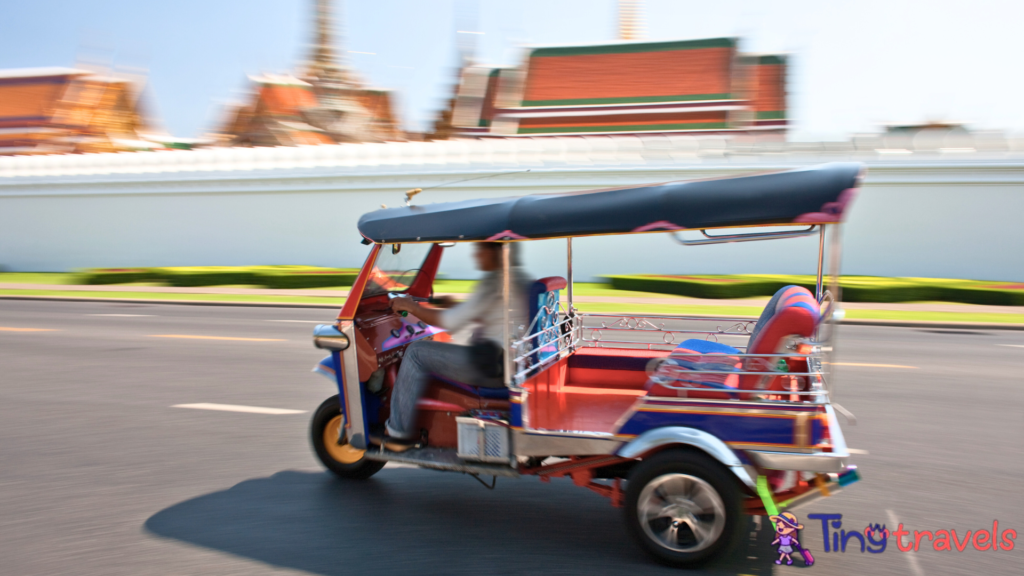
391	443
398	444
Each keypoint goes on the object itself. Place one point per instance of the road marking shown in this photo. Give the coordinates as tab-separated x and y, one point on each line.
910	556
872	365
12	329
1013	345
401	465
857	451
237	408
122	315
304	321
216	338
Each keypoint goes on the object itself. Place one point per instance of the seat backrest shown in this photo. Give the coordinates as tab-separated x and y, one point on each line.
543	306
791	311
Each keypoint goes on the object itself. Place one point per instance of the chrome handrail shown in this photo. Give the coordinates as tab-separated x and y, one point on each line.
750	237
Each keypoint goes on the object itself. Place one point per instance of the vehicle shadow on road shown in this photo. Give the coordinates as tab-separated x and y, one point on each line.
410	521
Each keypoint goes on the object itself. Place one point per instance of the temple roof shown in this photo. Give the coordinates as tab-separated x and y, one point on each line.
54	109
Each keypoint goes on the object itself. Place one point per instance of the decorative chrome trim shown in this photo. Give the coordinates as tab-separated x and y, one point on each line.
815	462
787	448
669	435
328	337
835	432
738	410
738	404
353	391
552	443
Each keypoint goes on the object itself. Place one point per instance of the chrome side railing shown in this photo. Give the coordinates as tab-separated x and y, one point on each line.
680	371
708	372
542	348
617	330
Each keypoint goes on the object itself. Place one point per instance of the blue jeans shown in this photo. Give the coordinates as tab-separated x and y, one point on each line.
423	359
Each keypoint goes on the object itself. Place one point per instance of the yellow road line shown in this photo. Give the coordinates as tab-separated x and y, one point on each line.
238	408
12	329
872	365
193	337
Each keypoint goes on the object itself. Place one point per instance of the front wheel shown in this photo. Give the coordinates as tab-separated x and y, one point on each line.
332	447
682	507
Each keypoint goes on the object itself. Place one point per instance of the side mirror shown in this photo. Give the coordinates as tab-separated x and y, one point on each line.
328	337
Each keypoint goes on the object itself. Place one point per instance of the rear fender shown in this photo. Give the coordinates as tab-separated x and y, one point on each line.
659	438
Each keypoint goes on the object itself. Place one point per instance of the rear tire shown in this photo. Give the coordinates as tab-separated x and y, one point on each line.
338	456
683	508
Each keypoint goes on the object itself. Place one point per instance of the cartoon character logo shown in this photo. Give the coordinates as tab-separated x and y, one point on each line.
786	526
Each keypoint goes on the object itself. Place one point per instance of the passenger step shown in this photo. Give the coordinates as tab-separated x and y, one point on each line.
440	459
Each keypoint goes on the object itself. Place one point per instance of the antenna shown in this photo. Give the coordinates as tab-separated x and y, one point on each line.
415	191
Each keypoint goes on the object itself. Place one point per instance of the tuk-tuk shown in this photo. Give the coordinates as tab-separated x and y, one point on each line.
687	433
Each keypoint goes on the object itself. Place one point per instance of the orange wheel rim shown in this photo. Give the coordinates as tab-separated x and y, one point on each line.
342	452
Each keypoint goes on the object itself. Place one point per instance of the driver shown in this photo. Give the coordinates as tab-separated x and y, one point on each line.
478	364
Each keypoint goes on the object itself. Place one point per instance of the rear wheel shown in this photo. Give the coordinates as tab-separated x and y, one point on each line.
332	447
682	507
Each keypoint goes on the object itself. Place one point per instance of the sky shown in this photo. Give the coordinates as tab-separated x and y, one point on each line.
855	64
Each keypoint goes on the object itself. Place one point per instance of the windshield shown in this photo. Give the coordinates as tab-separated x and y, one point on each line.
396	267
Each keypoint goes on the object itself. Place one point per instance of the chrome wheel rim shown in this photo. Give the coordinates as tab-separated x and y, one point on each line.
681	512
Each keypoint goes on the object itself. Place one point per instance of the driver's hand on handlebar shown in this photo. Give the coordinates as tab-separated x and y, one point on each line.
403	304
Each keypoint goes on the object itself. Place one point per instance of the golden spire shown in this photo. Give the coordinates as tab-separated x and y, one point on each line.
630	26
324	64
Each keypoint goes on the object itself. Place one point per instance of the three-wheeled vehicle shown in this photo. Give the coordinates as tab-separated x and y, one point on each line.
658	413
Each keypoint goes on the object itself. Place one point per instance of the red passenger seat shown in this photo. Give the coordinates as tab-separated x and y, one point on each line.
792	311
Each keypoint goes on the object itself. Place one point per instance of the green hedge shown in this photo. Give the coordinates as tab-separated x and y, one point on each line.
854	288
266	276
117	276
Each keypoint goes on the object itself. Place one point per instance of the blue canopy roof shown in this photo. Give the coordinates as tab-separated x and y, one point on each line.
814	195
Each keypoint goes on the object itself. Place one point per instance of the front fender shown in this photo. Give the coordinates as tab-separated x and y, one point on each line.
675	435
328	369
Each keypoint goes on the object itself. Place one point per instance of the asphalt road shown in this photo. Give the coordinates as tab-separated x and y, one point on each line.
101	475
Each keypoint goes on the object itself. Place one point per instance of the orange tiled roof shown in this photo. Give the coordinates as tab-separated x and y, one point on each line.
630	73
65	110
287	100
30	100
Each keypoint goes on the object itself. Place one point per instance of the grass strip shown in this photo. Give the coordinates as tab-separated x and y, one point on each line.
38	278
913	316
854	288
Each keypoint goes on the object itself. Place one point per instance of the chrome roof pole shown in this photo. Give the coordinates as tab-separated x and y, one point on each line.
820	292
568	255
506	299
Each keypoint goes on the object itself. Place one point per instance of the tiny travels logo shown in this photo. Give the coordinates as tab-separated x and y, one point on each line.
874	538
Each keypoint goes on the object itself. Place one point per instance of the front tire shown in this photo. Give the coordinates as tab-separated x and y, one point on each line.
683	508
337	455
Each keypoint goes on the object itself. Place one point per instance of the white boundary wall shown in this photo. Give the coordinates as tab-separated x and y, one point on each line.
952	212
